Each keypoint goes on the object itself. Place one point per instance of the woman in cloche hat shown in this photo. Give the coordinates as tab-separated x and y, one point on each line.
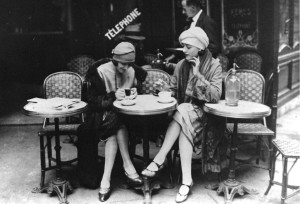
197	79
107	83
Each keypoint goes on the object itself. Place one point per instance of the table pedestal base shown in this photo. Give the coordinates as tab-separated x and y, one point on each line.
231	187
149	184
147	188
59	186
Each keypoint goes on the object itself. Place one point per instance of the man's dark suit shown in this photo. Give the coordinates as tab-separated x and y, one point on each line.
211	29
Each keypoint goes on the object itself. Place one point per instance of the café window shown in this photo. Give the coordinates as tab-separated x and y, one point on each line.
296	23
288	24
239	25
288	53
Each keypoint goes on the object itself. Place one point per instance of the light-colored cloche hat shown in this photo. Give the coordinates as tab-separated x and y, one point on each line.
194	36
124	52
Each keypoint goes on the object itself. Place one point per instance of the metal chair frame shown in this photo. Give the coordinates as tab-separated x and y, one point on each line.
48	130
288	149
253	128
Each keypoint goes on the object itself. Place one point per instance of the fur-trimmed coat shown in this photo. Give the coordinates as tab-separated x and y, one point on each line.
101	122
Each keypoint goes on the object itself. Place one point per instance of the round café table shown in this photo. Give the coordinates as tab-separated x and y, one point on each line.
59	184
146	105
244	110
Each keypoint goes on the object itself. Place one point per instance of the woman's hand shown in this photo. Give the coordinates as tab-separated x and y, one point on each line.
196	63
133	93
160	85
120	94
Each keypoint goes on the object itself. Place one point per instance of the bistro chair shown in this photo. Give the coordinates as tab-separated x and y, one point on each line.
288	149
64	85
80	64
153	76
224	61
253	89
249	60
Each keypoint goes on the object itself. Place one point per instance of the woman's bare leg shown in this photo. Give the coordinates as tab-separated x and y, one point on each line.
171	136
186	151
122	138
111	148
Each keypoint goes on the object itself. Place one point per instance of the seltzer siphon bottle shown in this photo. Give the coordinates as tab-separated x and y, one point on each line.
232	87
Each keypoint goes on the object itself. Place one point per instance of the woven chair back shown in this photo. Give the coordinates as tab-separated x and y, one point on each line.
224	61
249	60
80	64
153	76
63	84
252	85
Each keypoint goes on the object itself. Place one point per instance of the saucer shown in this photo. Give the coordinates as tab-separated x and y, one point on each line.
165	100
128	102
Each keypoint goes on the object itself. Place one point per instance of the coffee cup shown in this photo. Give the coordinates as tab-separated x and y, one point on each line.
164	95
133	91
127	93
130	93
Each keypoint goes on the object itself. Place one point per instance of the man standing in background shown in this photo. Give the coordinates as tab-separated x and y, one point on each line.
194	13
196	17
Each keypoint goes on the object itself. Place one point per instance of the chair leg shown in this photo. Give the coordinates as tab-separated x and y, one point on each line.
272	155
258	149
170	172
272	164
132	145
179	177
49	149
43	162
284	180
220	177
176	167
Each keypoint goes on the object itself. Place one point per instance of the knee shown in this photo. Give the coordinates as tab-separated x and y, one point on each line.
184	107
123	129
176	115
122	132
112	139
182	139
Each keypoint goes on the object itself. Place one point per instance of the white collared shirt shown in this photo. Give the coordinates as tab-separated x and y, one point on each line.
195	19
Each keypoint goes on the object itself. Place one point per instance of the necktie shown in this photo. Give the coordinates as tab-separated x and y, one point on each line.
189	21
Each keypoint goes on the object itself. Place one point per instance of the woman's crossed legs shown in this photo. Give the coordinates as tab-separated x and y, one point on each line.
173	133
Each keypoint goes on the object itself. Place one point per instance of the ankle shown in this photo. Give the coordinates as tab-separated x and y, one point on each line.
159	160
187	182
129	169
105	184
